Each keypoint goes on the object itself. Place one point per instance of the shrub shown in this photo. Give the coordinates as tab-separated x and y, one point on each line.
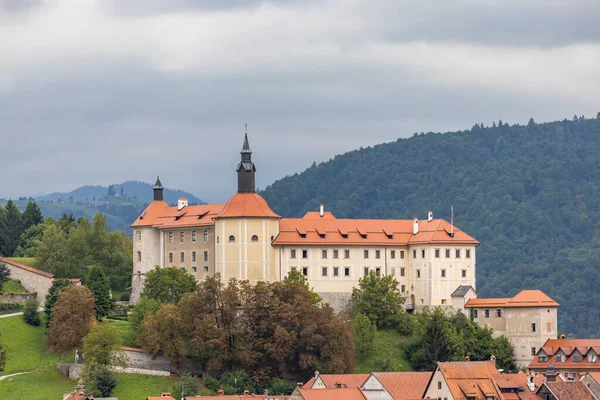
7	308
186	386
105	382
2	357
125	296
31	314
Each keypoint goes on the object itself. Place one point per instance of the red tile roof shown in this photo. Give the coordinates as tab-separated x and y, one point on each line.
148	216
26	267
247	205
330	394
237	397
525	298
570	390
567	346
404	385
366	231
470	379
347	380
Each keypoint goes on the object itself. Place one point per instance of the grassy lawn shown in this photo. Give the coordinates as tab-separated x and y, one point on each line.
29	261
26	347
388	345
141	386
41	385
13	287
126	332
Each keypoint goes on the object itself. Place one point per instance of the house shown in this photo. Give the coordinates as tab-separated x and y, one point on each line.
569	390
527	320
461	295
245	239
328	394
570	357
472	380
163	396
516	386
323	381
396	385
247	395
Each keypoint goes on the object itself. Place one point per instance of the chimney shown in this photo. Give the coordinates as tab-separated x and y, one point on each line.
165	394
181	203
316	374
246	392
493	359
430	216
551	374
467	358
530	383
415	226
562	336
338	385
321	210
266	392
221	392
299	385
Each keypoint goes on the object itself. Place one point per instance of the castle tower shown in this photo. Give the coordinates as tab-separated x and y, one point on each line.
158	190
246	170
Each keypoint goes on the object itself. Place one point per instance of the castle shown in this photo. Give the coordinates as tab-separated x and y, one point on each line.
245	239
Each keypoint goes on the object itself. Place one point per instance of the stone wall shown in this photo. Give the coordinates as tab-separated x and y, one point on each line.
138	360
33	280
339	301
17	298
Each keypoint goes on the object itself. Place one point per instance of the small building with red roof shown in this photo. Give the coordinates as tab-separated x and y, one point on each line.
570	357
528	320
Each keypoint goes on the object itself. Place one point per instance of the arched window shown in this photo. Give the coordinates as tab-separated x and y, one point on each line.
254	238
232	238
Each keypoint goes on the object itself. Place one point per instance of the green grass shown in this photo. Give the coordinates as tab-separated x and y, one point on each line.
29	261
126	332
116	293
141	386
26	347
41	385
13	287
388	345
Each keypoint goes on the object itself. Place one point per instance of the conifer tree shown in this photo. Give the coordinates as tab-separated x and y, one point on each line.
99	285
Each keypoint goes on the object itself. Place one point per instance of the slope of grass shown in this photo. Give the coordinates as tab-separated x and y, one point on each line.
40	385
124	328
26	347
29	261
387	350
13	287
141	386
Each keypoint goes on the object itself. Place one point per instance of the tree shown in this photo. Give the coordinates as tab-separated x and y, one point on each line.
433	341
104	382
167	285
31	314
379	298
186	386
163	333
32	215
58	286
98	283
10	229
364	333
142	308
4	274
52	254
71	318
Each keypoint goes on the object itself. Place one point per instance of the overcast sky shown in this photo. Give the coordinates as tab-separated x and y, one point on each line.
99	92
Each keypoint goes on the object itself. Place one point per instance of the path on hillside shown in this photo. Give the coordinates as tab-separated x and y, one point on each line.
11	315
18	373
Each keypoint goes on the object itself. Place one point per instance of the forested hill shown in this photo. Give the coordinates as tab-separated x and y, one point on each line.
530	195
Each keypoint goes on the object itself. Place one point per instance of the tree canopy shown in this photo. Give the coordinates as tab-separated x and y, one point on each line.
168	285
72	316
529	194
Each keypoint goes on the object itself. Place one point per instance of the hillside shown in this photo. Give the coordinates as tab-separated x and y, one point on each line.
530	194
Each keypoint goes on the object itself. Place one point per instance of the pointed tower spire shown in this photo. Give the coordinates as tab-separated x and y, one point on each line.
246	169
158	190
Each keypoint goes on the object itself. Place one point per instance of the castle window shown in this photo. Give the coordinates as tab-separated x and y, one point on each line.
305	271
304	253
533	351
447	253
206	256
392	253
403	288
418	273
193	256
170	258
533	327
346	253
182	256
443	273
475	314
487	313
422	253
457	253
323	253
194	269
170	237
335	254
393	271
206	268
346	271
182	237
336	271
439	385
366	271
254	238
378	271
139	235
377	253
232	238
468	253
464	273
193	236
206	235
549	327
324	271
414	254
402	271
139	256
293	253
437	253
499	312
366	253
401	253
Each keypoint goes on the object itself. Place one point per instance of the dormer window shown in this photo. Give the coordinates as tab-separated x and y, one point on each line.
592	357
577	356
232	238
542	358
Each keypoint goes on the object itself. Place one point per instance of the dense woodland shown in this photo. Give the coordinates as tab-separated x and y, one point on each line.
530	195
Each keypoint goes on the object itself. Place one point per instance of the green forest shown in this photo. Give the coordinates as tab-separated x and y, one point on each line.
530	194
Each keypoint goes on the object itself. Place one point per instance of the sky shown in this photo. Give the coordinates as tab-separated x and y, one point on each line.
98	92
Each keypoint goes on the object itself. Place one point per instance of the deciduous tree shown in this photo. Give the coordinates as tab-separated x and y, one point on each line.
364	333
167	285
379	298
71	318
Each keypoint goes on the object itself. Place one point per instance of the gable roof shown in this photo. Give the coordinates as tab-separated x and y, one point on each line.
26	267
159	214
366	231
569	390
462	290
346	380
404	385
567	346
470	378
525	298
328	394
